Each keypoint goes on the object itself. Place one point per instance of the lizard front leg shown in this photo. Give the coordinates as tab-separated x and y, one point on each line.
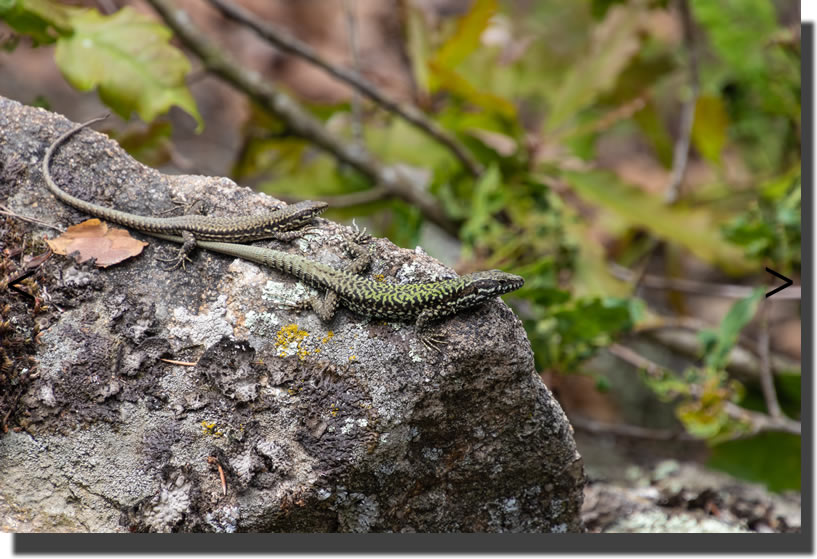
325	308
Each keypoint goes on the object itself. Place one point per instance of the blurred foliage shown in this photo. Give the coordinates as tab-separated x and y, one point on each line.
772	459
554	99
770	228
126	56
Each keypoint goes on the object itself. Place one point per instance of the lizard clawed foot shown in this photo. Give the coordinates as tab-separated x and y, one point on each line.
433	341
175	262
299	306
360	237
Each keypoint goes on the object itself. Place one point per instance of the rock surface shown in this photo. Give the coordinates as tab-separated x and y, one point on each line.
351	426
677	497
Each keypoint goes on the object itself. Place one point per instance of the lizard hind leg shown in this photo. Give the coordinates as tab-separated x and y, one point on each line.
431	341
182	255
325	308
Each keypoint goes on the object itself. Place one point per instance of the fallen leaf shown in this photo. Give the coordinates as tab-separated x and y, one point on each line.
93	239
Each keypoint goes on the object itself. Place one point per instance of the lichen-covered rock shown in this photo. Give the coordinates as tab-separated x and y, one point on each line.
198	400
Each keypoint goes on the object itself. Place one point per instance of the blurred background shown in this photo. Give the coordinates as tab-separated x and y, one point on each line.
638	162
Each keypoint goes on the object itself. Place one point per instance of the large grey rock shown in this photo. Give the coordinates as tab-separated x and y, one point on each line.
350	426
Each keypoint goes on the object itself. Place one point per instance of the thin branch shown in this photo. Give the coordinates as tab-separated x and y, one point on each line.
680	155
298	119
351	28
346	200
624	430
742	361
356	198
287	43
766	379
758	421
636	360
761	422
728	291
7	211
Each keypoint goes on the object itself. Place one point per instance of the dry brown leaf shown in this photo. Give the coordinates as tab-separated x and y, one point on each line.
93	239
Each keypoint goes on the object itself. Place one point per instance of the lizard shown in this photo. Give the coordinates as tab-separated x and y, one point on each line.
422	303
283	224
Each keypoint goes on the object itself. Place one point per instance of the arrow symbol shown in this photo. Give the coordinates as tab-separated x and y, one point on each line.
779	276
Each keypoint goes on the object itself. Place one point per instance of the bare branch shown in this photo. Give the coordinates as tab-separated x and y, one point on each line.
298	120
728	291
351	28
766	379
758	421
6	211
636	360
680	154
624	430
286	42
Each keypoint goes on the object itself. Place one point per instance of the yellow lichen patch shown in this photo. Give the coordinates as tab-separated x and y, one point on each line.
288	336
333	410
353	358
209	428
329	335
379	277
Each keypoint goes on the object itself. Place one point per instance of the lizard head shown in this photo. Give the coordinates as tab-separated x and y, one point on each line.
302	212
492	283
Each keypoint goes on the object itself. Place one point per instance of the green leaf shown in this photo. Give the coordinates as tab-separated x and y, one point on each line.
417	46
718	343
696	229
650	123
41	20
738	31
129	58
615	41
454	82
467	36
152	146
710	127
487	200
769	458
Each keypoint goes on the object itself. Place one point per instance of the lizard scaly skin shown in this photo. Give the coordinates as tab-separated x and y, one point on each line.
283	224
422	303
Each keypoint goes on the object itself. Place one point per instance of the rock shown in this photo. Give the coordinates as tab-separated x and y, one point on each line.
149	385
676	497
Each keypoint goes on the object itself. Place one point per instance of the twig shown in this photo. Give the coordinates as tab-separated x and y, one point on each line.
213	461
356	198
728	291
298	119
6	211
758	421
624	430
351	24
742	362
766	379
636	360
680	155
761	422
182	363
287	43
